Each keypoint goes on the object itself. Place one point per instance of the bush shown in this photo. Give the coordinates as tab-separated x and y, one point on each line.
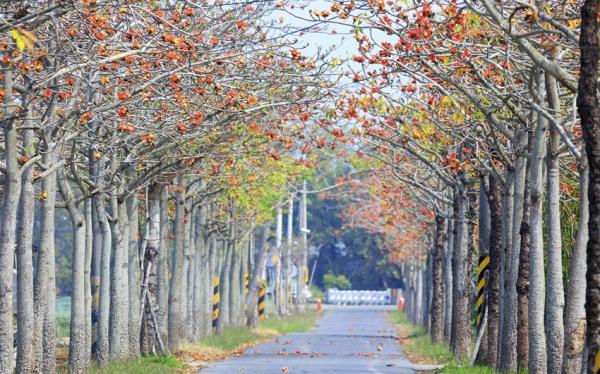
316	293
340	282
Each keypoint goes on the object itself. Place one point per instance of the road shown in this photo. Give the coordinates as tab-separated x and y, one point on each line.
351	339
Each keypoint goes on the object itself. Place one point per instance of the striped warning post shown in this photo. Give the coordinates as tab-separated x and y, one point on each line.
482	268
216	301
262	301
246	281
306	274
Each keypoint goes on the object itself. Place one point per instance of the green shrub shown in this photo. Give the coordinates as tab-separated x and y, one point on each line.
341	282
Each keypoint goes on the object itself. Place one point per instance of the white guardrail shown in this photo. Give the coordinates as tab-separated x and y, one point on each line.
351	297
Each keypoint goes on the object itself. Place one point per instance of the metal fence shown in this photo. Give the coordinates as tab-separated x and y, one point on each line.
352	297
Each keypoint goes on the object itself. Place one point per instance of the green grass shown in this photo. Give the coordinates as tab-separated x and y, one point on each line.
234	338
63	326
419	345
231	339
467	370
144	365
420	342
292	323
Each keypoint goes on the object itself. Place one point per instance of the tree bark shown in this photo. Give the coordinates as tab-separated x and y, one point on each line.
255	278
44	289
437	301
508	353
103	329
461	331
176	313
134	271
119	297
448	280
25	314
162	270
495	250
77	341
575	304
589	112
555	296
537	338
8	227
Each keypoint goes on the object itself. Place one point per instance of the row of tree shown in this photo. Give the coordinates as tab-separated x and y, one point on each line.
482	118
165	129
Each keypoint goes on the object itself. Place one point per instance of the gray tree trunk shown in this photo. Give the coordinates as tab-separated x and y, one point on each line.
25	314
495	250
508	353
537	338
575	304
8	228
199	287
87	278
162	270
255	278
134	273
448	280
507	226
437	300
523	278
103	335
176	313
119	297
44	288
461	332
555	296
77	336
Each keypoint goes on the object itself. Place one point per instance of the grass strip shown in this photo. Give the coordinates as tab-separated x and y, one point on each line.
417	345
193	356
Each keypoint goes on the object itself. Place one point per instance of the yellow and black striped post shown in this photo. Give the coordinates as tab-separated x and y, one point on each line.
306	274
216	300
247	281
480	304
262	301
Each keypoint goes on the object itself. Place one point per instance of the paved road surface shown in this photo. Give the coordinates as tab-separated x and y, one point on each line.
346	340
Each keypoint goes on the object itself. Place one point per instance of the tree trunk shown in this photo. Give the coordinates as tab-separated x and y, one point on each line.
77	341
44	289
176	313
87	278
162	270
437	301
103	334
555	296
255	278
25	315
508	353
288	255
523	287
198	300
537	338
484	250
8	227
575	304
507	226
495	202
119	297
589	112
461	331
448	280
148	333
134	275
